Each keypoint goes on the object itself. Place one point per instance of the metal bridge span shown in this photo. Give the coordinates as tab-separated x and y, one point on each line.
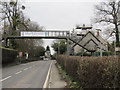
45	35
40	35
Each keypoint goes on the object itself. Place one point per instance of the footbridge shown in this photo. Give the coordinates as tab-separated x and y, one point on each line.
50	34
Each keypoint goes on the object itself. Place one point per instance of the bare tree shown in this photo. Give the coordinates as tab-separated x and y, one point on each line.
11	12
107	12
29	45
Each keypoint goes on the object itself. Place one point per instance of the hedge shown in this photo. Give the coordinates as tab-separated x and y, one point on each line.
92	72
8	55
96	54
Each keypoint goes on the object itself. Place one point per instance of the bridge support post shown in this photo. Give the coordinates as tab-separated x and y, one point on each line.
6	42
68	48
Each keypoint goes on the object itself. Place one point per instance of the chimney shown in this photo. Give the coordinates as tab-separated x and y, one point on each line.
98	33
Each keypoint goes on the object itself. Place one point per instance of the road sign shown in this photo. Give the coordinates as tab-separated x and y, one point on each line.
117	49
20	54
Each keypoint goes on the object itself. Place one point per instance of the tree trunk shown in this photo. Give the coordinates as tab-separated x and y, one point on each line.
117	36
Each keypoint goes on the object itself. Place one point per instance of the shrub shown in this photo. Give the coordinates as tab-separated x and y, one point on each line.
92	72
96	54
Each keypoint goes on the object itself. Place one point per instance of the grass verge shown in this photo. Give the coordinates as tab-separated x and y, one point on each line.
71	83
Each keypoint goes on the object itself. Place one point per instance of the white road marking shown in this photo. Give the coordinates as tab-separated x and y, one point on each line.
25	68
24	64
18	72
5	78
48	74
30	67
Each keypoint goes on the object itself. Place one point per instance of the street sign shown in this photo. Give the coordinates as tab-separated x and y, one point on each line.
117	49
20	54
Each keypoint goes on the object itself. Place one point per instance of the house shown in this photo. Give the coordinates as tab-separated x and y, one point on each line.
90	42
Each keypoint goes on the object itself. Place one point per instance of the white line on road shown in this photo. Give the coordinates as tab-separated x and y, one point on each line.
18	72
23	64
48	76
25	68
5	78
30	67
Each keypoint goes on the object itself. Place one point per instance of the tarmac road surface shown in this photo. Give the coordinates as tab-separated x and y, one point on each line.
28	75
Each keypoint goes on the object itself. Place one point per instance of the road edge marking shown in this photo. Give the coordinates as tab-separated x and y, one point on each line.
5	78
48	75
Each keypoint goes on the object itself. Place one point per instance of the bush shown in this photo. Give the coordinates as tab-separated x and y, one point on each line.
104	53
92	72
96	54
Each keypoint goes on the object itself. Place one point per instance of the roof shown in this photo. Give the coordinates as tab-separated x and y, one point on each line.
86	35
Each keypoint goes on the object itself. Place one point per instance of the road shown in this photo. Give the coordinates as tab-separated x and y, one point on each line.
28	75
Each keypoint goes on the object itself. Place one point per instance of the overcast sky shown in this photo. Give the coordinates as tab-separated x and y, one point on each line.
60	14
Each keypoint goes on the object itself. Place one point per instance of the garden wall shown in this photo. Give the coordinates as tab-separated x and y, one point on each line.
8	55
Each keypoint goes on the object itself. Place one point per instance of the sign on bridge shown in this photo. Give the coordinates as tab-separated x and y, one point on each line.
44	34
37	34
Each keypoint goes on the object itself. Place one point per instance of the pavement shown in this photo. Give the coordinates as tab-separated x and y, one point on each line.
56	80
28	75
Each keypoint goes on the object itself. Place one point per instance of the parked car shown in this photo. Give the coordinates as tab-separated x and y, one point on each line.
41	57
45	58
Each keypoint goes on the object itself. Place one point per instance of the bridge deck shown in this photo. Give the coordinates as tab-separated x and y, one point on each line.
37	37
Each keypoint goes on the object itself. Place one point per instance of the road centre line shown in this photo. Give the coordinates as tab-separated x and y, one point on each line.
18	72
5	78
25	69
30	67
15	73
24	64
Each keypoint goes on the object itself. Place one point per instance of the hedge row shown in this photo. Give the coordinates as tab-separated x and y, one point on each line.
96	54
92	72
8	55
